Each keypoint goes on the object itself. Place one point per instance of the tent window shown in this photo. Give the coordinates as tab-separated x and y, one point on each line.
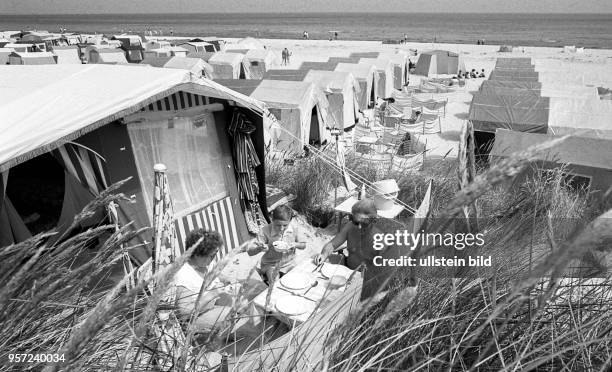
254	63
192	154
36	190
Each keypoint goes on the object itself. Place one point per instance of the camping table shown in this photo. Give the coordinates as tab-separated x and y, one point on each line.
317	294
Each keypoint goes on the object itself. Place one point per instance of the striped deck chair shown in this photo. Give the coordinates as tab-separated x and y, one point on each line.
391	140
434	106
380	163
407	163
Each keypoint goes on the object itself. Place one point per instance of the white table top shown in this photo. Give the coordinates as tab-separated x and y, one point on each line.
316	294
345	207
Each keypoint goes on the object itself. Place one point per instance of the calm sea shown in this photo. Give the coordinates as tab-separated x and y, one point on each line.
591	30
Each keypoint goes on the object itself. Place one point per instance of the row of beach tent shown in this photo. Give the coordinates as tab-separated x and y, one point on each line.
524	104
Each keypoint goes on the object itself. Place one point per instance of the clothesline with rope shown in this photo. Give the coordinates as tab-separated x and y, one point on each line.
332	163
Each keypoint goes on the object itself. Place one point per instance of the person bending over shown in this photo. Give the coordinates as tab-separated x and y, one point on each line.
358	236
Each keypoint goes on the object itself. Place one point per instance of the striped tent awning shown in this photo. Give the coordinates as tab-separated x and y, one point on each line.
177	101
218	216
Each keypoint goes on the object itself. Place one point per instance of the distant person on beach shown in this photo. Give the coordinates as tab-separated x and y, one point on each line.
284	55
335	36
473	74
305	35
405	38
482	73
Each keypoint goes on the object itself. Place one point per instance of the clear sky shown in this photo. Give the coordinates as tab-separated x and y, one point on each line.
223	6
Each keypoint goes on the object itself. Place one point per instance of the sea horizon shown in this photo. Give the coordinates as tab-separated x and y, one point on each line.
525	29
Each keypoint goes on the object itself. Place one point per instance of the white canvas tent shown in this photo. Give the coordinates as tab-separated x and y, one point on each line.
580	117
197	46
67	55
4	55
229	66
400	68
157	44
196	66
302	110
260	61
589	158
367	76
106	55
342	90
99	102
20	48
386	71
33	58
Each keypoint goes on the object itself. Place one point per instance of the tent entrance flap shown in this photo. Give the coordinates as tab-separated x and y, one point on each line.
36	190
315	133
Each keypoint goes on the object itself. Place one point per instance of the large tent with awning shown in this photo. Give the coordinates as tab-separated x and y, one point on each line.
439	62
584	158
367	76
130	120
301	108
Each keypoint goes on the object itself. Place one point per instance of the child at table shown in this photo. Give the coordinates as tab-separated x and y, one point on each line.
282	229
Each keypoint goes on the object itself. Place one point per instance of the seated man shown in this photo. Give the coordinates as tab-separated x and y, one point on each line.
215	306
482	74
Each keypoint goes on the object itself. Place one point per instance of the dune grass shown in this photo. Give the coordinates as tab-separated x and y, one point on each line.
521	315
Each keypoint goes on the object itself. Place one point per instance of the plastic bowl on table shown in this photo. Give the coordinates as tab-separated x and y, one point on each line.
281	246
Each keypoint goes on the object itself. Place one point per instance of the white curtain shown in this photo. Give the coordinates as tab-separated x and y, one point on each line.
192	154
